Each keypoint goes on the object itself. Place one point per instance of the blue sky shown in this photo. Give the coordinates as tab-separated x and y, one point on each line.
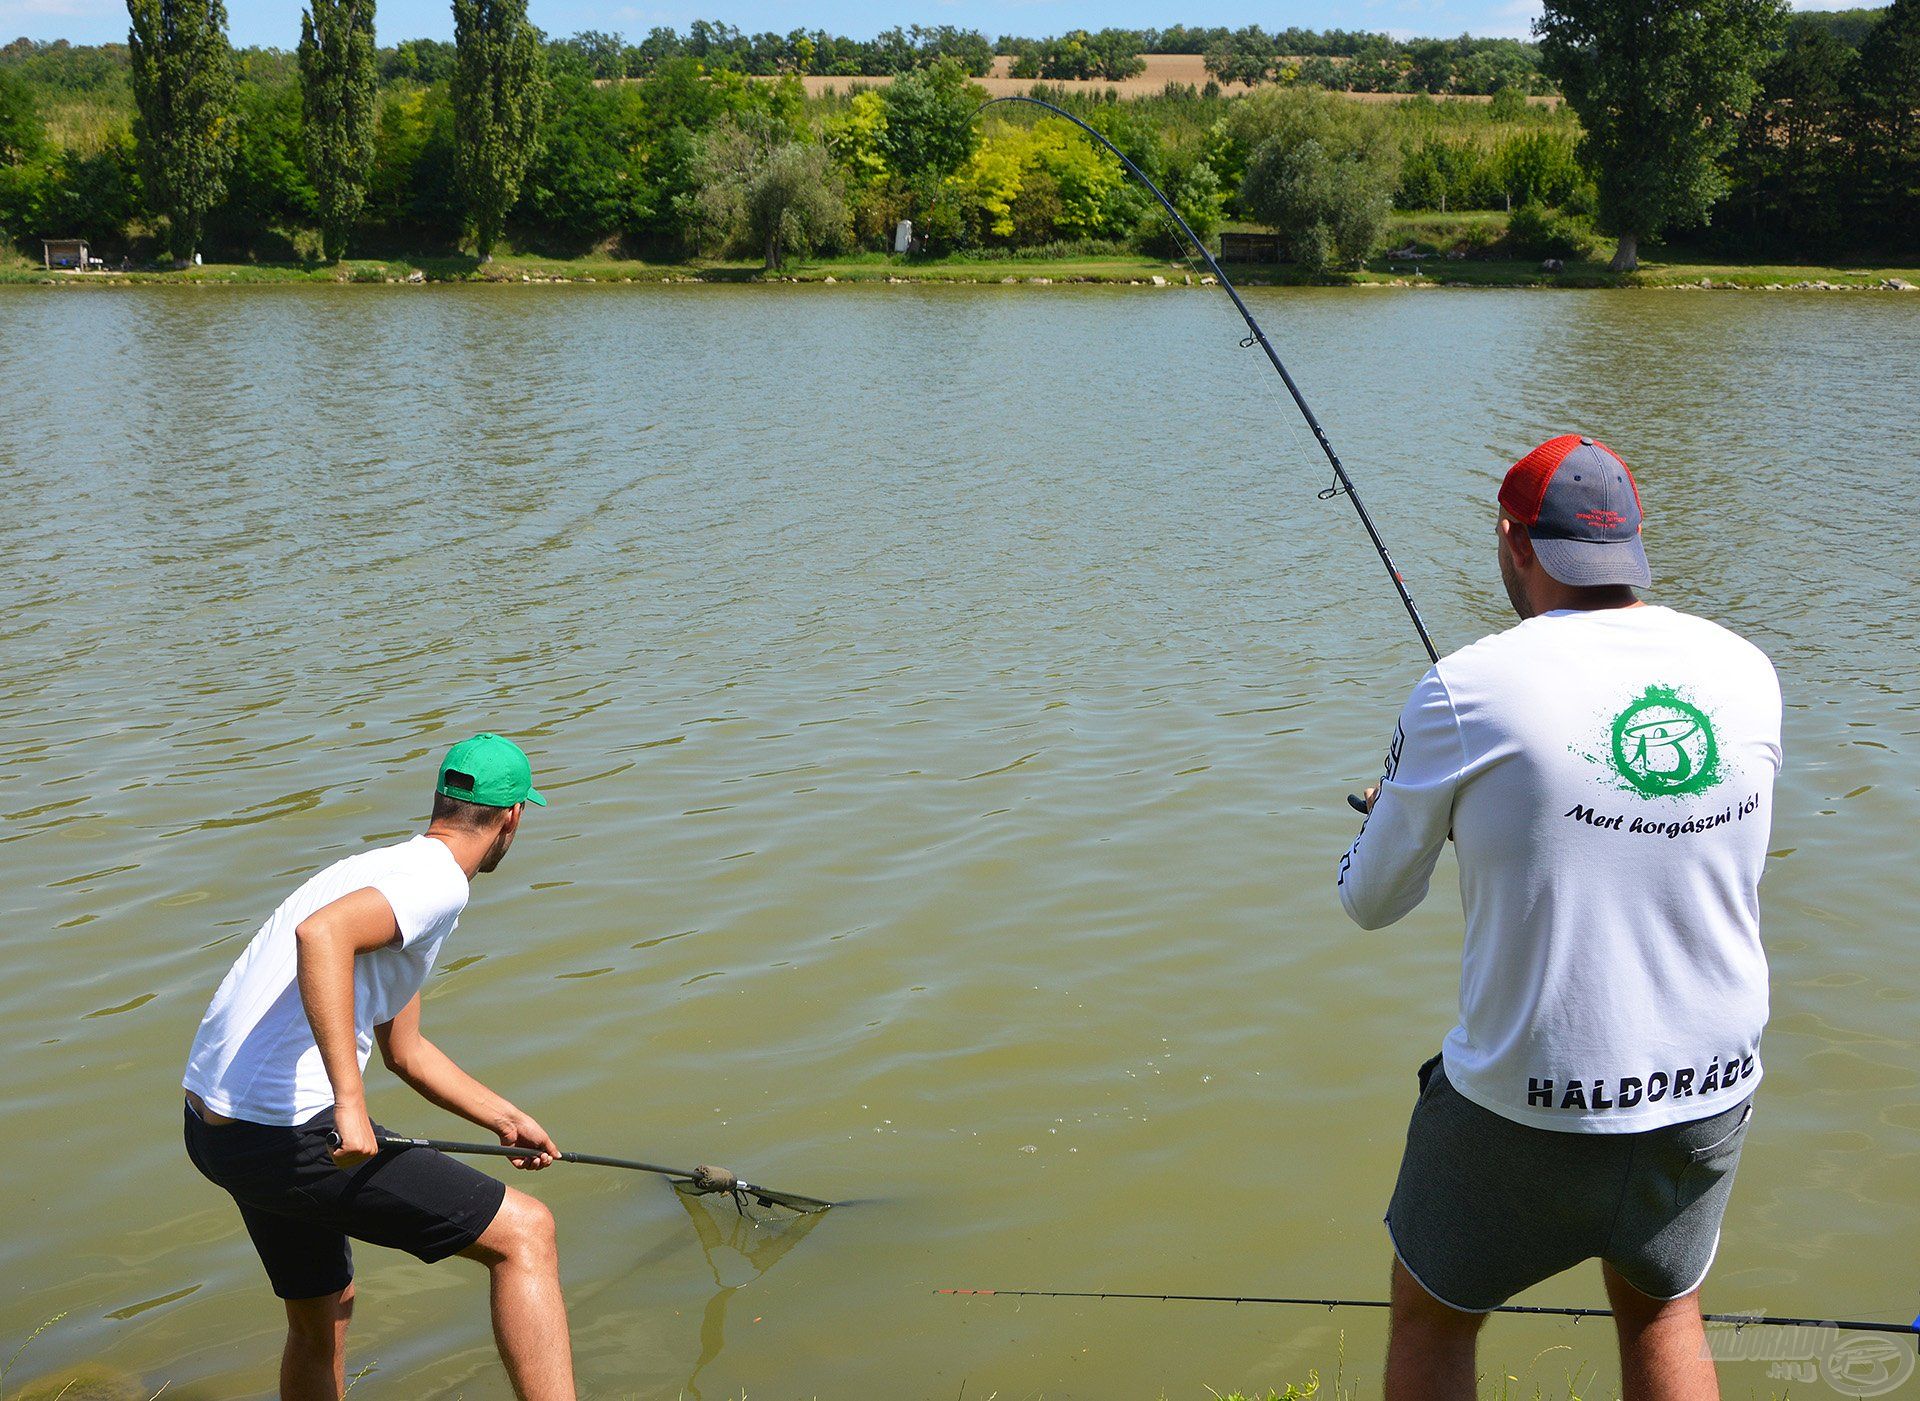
277	22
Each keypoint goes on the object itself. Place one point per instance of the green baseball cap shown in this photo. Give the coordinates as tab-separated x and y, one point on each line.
489	770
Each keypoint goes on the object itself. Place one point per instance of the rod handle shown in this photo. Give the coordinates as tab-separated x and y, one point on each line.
1357	803
387	1140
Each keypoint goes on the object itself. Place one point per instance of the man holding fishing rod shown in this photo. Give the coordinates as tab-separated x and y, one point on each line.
276	1112
1605	770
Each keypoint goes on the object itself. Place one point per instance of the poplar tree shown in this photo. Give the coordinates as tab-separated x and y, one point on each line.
1658	86
499	82
183	126
337	112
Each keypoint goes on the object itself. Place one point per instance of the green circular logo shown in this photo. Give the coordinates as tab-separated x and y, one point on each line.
1664	746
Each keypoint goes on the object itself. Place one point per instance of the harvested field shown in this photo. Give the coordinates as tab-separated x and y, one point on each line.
1161	69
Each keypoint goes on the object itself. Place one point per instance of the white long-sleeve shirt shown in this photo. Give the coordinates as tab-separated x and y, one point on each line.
1607	778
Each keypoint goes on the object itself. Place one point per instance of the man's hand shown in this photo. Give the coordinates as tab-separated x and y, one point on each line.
432	1072
355	1130
1371	795
518	1130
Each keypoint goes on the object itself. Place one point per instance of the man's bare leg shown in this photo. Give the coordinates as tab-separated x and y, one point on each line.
529	1314
1663	1345
313	1365
1430	1350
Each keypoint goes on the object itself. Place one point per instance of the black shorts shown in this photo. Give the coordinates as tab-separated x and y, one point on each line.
300	1209
1486	1207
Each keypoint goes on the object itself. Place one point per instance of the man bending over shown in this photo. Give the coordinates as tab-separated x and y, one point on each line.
274	1076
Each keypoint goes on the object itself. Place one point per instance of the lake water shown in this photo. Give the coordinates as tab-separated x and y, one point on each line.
947	699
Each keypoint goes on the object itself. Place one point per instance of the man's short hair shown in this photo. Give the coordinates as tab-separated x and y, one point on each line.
458	812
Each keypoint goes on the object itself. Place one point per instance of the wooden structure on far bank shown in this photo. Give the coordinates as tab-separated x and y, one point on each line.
1249	247
64	253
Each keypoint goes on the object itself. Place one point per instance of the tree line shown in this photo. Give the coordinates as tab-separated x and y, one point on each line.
768	54
1797	139
1356	62
1736	107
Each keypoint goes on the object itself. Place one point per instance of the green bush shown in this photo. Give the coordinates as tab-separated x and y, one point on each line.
1190	182
1537	167
1112	54
1322	173
762	192
929	125
410	194
589	179
1509	103
1535	231
1034	184
1472	235
267	186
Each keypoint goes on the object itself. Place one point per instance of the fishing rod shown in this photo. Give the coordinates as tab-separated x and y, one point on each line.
703	1179
1342	483
1739	1320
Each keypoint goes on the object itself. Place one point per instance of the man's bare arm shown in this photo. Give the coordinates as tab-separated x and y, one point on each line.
328	941
433	1073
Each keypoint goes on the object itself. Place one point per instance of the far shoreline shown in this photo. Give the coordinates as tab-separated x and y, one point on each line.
1116	270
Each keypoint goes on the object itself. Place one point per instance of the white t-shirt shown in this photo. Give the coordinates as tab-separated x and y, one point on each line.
1608	780
255	1057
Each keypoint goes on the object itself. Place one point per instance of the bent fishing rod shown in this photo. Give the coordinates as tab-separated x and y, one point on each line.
1738	1320
1342	483
704	1179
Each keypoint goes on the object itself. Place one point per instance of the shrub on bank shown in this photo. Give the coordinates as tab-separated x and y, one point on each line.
1535	231
1321	173
1470	235
765	193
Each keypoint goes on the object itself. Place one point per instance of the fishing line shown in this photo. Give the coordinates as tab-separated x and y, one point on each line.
1342	486
1738	1320
1296	440
1342	483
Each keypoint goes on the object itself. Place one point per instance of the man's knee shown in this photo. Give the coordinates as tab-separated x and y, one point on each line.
531	1224
521	1231
321	1321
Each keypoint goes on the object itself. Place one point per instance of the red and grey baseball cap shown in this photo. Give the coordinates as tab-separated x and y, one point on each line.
1579	503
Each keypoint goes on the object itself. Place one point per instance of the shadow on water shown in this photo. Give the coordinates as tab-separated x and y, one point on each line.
726	1238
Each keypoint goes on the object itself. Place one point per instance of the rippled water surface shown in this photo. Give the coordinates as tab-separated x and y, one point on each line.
947	699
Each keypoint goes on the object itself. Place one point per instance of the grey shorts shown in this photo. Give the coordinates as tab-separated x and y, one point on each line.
1486	1208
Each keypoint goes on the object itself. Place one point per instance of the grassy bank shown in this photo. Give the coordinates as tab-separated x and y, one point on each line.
1469	249
1435	270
